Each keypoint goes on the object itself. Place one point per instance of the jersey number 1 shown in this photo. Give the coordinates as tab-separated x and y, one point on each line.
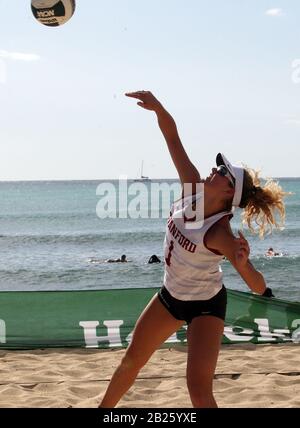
171	248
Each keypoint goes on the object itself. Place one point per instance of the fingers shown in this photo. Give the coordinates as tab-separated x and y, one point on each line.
137	94
147	100
242	238
132	95
243	250
242	255
142	105
241	235
242	242
243	246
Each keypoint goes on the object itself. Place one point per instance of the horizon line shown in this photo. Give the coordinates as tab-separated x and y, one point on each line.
115	179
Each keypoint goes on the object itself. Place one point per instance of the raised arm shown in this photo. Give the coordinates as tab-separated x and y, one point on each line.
186	170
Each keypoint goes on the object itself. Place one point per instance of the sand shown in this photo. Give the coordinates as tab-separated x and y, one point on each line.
246	376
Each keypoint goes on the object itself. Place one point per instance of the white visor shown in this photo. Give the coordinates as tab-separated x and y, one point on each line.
237	173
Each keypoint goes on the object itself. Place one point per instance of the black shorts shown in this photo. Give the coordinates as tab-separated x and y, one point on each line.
187	310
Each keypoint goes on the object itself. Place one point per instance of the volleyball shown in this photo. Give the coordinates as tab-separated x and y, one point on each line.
53	12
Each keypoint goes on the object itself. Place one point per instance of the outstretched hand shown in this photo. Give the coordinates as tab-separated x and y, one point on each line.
147	100
243	250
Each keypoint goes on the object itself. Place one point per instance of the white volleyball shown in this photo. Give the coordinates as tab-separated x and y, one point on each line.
53	12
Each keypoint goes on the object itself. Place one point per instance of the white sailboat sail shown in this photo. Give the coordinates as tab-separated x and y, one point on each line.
143	177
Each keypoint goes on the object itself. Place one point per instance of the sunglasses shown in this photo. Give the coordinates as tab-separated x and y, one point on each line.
223	171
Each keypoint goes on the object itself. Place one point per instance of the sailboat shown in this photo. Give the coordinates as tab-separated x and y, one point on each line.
142	178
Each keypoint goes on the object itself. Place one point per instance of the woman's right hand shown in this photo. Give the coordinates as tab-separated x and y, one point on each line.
147	100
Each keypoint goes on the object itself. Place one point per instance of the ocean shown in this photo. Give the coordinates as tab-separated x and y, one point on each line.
52	237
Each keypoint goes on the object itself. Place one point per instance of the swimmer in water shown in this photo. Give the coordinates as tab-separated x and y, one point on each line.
121	260
271	253
154	259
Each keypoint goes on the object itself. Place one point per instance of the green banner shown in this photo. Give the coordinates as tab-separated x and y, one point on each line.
106	318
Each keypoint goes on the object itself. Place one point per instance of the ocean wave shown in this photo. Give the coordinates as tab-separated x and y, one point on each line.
36	216
283	258
88	238
90	276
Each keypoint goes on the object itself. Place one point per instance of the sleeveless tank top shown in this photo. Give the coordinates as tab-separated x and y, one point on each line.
192	272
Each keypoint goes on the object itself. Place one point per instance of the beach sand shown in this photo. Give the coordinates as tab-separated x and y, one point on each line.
246	376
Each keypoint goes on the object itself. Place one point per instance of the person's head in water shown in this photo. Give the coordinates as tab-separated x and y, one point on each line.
123	258
241	187
154	259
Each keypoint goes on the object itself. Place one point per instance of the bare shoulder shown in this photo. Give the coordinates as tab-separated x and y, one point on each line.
219	234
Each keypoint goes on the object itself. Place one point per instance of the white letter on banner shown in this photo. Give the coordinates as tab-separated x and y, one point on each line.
283	333
2	332
296	333
172	339
238	337
113	333
264	329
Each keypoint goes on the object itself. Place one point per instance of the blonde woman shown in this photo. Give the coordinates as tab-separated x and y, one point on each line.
193	292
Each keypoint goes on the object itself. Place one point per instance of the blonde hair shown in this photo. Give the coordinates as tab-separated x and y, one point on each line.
262	204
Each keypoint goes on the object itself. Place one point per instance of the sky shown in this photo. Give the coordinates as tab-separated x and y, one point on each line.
228	72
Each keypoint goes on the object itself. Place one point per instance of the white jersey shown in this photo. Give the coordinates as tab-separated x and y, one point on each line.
192	272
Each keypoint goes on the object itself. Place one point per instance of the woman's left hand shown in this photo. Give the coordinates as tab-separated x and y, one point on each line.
242	251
